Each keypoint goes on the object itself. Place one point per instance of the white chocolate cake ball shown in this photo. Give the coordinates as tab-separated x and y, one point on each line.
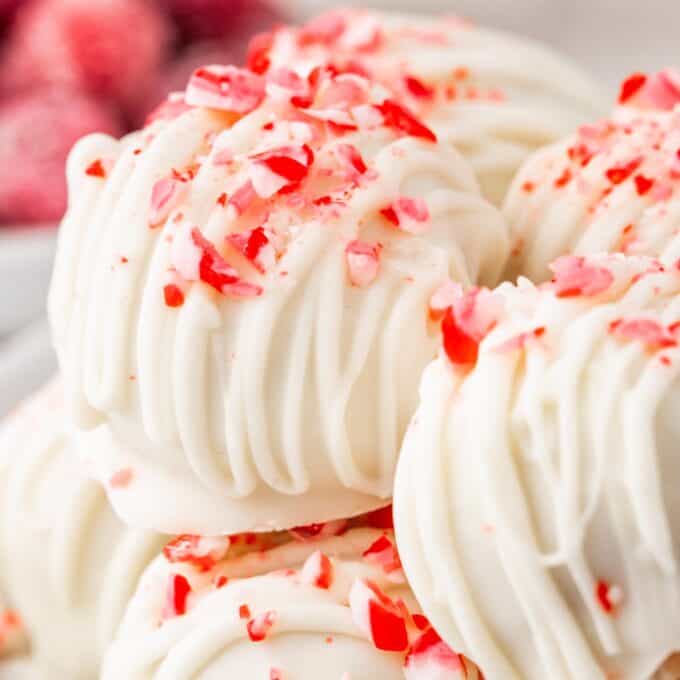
240	297
69	565
614	186
272	608
496	96
537	502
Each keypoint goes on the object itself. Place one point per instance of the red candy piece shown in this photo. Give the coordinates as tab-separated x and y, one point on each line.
379	617
419	89
460	347
259	48
380	519
430	652
176	597
255	246
202	552
259	627
620	173
384	554
219	274
317	571
173	295
401	119
631	86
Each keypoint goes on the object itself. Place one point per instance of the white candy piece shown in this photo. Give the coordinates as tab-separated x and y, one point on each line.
275	390
69	565
614	186
295	611
537	500
498	97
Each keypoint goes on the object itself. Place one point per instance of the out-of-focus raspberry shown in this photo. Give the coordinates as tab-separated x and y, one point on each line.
36	133
111	49
201	19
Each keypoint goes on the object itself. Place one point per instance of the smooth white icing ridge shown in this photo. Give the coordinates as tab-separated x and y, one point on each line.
545	95
70	565
529	478
579	218
286	409
210	640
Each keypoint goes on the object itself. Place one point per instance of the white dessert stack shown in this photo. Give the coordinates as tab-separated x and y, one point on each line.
610	187
536	504
248	293
70	565
233	298
497	97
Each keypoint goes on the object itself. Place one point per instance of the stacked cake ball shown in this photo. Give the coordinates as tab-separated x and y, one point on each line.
247	295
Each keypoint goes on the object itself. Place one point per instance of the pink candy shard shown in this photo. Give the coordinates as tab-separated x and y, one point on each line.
166	195
317	571
574	276
259	627
430	657
226	88
363	262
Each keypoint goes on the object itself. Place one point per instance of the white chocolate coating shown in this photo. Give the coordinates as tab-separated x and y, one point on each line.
235	413
70	564
314	632
626	198
497	97
537	500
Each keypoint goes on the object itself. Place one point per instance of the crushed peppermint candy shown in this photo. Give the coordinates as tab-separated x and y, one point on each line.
203	552
363	262
260	627
166	195
317	571
574	276
378	616
177	594
383	553
226	88
430	657
650	332
609	597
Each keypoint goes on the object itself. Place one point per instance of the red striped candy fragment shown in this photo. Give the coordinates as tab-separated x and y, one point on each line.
378	617
166	195
317	571
226	88
256	247
430	657
383	553
398	118
203	552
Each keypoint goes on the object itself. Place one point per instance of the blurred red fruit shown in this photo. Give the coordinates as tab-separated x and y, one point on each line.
36	133
201	19
111	49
